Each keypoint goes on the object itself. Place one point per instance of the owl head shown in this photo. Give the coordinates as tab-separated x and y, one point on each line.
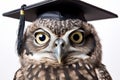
53	42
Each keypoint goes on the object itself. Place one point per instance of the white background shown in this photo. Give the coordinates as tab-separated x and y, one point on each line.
108	30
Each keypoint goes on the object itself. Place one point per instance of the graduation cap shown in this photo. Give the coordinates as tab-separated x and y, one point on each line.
62	9
57	9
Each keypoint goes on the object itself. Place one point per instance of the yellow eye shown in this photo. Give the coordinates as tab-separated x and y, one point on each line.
76	37
41	38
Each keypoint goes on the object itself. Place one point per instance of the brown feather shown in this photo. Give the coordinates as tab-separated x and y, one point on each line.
72	68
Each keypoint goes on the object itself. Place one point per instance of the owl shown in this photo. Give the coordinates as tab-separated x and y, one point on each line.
60	44
61	50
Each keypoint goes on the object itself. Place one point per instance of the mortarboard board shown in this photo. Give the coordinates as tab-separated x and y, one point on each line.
56	9
63	8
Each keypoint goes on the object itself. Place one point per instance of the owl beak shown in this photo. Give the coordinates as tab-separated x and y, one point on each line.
59	50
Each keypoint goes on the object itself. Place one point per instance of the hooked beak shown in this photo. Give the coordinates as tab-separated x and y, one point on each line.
59	51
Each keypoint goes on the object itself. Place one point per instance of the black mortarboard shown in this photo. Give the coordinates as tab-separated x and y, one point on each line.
63	9
56	9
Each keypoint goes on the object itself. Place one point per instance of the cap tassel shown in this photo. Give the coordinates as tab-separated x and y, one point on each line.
21	30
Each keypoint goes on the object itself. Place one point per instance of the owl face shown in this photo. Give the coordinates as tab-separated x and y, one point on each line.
54	42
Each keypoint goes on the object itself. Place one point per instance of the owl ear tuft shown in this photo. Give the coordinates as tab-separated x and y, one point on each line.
21	30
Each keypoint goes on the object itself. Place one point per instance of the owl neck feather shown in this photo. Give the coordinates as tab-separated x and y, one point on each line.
80	71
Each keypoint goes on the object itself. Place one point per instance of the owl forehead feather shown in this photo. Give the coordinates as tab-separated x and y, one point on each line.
58	27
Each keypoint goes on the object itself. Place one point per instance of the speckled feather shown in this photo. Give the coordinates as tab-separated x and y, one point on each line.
76	71
72	68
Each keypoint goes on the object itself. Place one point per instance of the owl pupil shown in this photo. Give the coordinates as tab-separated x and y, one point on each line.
42	37
76	37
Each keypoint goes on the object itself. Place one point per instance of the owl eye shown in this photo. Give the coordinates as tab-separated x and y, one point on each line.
41	38
77	37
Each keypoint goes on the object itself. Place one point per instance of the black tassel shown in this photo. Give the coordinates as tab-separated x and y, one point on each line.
21	30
